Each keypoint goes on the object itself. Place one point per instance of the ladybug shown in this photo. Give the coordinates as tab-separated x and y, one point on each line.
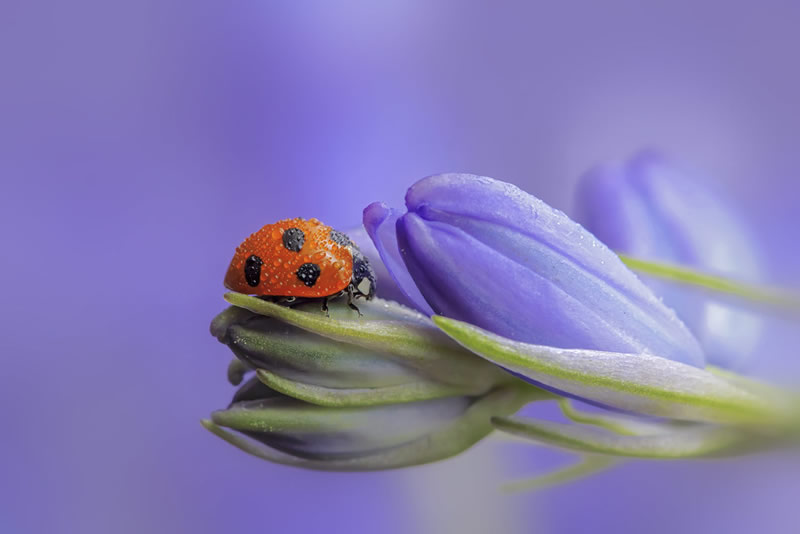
301	258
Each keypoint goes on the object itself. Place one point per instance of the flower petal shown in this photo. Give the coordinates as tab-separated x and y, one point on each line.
379	221
488	253
633	382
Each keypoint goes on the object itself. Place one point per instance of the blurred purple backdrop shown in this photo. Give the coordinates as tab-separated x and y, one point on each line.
140	141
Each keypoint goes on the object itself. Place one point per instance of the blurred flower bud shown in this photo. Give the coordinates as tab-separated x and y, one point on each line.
650	210
482	251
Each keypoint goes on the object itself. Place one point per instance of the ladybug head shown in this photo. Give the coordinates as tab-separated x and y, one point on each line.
363	275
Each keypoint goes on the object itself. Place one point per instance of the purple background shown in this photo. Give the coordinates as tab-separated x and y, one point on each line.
141	141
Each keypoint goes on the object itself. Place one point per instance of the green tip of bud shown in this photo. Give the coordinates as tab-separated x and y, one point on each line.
237	371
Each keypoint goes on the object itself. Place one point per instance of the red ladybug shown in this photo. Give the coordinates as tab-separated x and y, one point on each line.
300	258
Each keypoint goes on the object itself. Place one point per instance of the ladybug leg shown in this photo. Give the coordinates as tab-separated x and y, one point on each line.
350	298
325	307
286	300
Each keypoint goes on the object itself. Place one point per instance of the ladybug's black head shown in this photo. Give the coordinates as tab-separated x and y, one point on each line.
363	276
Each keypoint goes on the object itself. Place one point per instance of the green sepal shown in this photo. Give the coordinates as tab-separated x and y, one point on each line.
295	354
632	382
587	466
389	329
619	424
780	298
692	441
345	397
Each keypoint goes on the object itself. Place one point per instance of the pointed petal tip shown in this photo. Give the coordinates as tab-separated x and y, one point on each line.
374	215
380	222
454	188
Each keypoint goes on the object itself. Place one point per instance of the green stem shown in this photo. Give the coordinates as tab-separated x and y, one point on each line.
783	299
612	423
589	465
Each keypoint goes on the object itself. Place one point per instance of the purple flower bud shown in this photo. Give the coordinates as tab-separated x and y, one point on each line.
651	210
485	252
380	222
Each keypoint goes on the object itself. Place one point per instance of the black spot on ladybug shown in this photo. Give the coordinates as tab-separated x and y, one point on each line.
340	238
293	239
308	274
252	270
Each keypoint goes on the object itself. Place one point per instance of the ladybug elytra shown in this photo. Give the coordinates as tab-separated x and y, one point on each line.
300	258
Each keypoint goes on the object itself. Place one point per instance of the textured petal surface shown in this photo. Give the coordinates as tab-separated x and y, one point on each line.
380	221
485	252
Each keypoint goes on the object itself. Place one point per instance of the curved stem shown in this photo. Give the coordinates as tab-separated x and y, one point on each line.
691	442
588	465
